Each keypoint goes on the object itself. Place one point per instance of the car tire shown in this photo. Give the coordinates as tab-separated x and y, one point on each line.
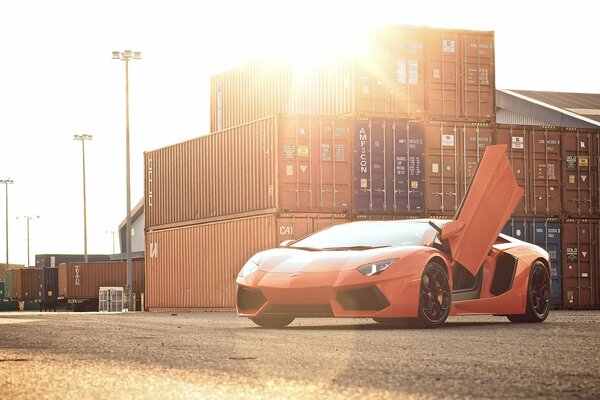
435	297
538	296
272	322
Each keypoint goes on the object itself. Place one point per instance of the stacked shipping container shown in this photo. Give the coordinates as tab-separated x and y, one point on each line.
410	72
397	133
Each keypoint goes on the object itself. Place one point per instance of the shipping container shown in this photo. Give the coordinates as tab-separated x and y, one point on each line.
20	284
80	282
452	153
46	284
195	267
6	305
406	72
580	254
388	163
546	233
54	260
287	164
580	170
263	88
535	155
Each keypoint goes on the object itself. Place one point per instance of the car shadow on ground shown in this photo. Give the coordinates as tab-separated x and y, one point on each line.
374	326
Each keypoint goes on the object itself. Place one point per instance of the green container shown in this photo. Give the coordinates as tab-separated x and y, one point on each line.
7	305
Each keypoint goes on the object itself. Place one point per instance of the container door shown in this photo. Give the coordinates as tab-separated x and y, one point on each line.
295	164
474	140
546	233
516	227
333	183
441	172
578	266
488	205
407	73
577	184
478	76
514	138
442	74
546	177
370	169
407	152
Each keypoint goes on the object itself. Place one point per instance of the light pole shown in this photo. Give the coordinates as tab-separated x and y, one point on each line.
113	239
28	218
7	182
126	56
83	138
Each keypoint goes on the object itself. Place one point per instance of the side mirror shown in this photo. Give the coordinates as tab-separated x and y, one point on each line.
286	243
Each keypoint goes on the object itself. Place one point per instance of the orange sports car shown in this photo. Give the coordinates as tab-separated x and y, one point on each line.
415	272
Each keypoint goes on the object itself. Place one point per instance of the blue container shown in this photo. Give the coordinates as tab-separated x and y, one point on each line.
388	175
545	233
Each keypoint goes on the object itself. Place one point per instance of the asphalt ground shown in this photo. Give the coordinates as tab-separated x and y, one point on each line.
220	356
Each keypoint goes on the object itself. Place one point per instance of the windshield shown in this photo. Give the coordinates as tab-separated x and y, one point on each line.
363	235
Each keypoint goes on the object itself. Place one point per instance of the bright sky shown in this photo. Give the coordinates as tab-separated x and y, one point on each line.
57	79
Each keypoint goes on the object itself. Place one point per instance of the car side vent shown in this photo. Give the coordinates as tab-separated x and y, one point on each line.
506	266
365	299
249	299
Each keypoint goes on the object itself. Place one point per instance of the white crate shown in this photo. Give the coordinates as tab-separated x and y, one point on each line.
111	299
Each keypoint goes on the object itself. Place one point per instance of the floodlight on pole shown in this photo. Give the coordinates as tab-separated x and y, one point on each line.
7	182
126	56
28	218
83	138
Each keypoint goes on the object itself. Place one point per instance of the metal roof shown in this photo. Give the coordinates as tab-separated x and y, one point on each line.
572	110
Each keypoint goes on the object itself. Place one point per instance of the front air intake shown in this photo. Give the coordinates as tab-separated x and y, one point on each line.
249	299
365	299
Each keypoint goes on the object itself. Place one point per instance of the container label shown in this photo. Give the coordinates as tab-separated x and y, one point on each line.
572	254
302	151
571	179
583	161
435	168
413	72
401	72
289	151
436	73
77	276
571	162
362	139
289	170
448	140
340	153
449	46
483	76
414	185
325	152
364	183
517	142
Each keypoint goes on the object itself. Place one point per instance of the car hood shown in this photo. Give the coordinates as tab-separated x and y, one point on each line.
289	260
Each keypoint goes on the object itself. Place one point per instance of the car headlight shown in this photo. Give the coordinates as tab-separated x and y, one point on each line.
376	268
248	268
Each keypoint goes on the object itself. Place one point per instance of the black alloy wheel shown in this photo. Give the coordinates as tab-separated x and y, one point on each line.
272	322
538	296
435	296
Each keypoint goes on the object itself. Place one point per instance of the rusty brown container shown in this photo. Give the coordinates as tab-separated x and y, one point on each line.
287	164
23	284
452	152
535	154
82	281
579	168
195	267
263	88
409	72
581	263
460	75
